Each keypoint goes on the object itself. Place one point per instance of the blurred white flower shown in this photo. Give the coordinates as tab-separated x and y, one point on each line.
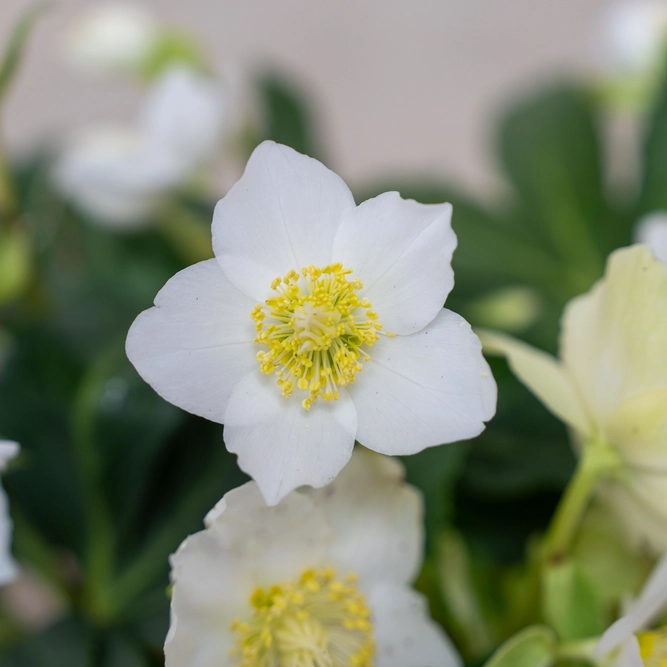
323	578
277	323
112	37
610	384
636	35
119	175
651	229
623	644
8	568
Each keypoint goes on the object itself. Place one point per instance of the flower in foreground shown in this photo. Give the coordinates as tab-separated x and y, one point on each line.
120	174
318	322
610	385
322	578
626	643
8	569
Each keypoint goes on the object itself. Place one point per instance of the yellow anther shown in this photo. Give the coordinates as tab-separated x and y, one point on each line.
314	327
313	621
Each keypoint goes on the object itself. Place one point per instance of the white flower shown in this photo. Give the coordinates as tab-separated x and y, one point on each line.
119	175
610	384
320	579
112	38
636	35
652	230
231	340
622	645
8	568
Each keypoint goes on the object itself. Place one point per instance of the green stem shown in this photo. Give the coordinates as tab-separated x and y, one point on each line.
9	206
99	555
598	461
578	650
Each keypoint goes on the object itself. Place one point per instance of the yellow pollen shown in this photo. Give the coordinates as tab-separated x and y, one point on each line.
316	621
653	647
315	329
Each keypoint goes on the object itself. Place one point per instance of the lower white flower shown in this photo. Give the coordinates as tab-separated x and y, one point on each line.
318	322
8	568
627	643
319	580
119	175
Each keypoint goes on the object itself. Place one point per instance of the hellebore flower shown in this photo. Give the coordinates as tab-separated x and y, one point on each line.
610	385
112	38
323	578
625	643
318	322
8	568
119	175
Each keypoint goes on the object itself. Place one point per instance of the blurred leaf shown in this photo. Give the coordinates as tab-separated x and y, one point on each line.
550	148
17	42
121	652
654	186
533	647
570	604
66	644
15	262
460	596
435	471
287	117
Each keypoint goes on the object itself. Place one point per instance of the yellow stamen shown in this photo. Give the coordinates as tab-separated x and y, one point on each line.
653	647
315	329
314	621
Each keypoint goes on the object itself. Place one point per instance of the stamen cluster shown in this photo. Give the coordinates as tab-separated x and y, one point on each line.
653	647
317	621
315	328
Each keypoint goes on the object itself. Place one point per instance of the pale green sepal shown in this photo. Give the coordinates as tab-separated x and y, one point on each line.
543	374
535	646
570	603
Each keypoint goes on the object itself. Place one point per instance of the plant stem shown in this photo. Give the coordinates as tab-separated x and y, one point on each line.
598	461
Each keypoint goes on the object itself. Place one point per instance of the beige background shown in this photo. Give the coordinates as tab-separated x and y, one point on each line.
403	86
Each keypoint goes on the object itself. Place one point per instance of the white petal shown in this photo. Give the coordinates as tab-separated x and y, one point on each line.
376	518
280	444
246	544
613	338
8	567
629	655
402	251
405	634
426	389
652	230
650	603
183	114
282	214
196	343
544	375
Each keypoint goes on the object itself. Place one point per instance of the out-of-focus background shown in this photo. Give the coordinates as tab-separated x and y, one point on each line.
400	87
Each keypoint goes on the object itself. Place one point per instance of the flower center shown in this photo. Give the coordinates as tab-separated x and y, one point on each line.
653	647
315	328
317	621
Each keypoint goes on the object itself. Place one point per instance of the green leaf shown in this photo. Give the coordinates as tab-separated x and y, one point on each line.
570	604
17	42
654	186
15	262
287	116
550	148
533	647
66	644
